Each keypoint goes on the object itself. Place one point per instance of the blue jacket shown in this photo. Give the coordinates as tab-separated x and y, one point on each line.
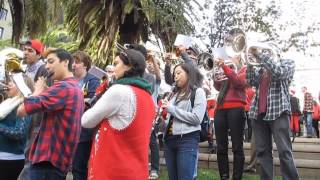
13	133
89	86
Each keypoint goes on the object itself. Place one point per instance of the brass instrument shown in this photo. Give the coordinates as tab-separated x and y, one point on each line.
10	61
235	42
206	60
268	48
192	47
208	65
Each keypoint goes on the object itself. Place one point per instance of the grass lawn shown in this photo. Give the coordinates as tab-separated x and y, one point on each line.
204	174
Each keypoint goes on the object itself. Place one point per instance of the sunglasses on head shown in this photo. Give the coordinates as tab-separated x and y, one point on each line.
124	57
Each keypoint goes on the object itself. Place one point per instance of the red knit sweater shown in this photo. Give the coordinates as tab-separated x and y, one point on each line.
123	154
236	93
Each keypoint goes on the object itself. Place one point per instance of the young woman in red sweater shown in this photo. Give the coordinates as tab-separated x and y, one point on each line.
230	115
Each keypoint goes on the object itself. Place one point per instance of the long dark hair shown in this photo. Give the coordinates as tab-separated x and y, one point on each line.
223	91
195	79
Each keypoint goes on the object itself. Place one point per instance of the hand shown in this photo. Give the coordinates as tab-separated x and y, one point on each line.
165	104
220	62
253	51
40	86
182	49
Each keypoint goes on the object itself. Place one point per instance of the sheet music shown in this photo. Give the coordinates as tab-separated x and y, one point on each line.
220	53
183	40
21	85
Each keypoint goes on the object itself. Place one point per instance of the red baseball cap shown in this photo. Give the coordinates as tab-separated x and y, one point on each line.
36	45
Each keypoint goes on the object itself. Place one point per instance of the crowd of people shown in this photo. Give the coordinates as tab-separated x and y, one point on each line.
74	122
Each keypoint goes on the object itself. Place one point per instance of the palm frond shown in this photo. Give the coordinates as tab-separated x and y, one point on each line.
36	17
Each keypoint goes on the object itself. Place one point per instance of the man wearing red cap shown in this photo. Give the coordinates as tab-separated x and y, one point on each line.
32	52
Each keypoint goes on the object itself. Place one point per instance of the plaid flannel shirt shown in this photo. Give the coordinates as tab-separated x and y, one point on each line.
56	142
278	99
308	102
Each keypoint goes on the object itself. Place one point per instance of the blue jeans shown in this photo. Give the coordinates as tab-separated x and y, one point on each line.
181	155
80	161
45	171
308	121
154	148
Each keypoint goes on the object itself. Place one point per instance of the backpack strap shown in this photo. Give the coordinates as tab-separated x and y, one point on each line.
192	97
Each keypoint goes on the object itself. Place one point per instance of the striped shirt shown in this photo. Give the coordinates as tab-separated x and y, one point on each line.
278	99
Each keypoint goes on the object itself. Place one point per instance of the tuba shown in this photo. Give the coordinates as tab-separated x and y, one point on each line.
10	61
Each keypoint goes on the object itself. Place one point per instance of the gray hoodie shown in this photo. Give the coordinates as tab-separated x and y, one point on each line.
187	119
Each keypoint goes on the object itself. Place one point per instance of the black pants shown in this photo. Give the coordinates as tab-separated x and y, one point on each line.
45	171
10	169
80	161
249	130
230	119
315	125
154	149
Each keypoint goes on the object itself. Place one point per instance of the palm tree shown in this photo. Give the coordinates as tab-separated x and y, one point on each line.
97	24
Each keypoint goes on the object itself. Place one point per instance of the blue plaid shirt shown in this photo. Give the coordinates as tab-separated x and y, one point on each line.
278	99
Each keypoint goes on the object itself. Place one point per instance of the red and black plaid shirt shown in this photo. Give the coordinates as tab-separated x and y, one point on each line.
59	132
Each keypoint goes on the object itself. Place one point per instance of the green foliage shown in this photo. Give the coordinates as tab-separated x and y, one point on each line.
59	38
36	17
96	24
5	43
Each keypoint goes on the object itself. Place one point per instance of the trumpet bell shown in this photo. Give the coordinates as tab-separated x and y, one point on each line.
205	60
10	60
235	43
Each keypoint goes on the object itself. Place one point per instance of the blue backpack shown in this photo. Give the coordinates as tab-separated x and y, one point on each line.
205	122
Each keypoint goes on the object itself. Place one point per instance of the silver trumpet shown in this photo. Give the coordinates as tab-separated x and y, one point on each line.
208	65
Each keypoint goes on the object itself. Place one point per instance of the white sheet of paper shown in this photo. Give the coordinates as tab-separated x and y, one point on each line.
184	40
22	86
220	53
